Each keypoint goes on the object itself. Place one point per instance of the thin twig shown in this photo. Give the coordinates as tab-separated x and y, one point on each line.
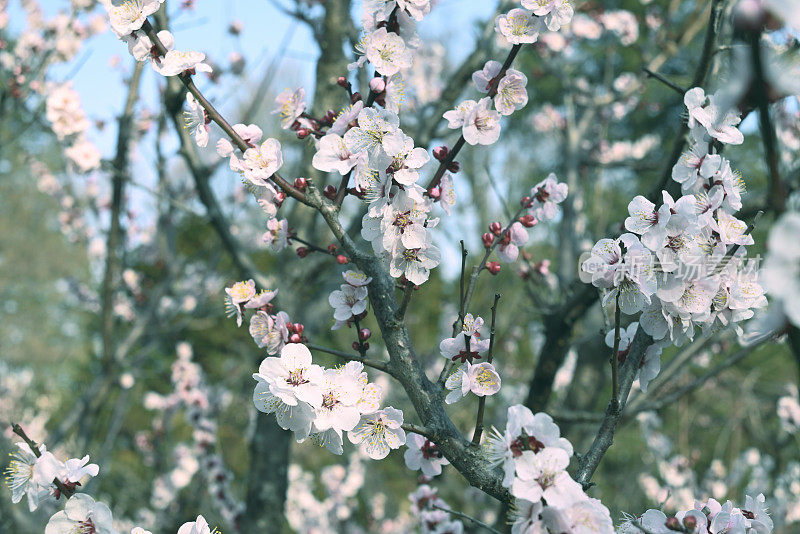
476	438
666	81
777	189
615	358
380	366
215	115
462	515
408	291
421	430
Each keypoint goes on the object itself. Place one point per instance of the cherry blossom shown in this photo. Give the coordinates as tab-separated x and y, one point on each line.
481	379
546	196
379	432
422	455
554	13
195	119
482	124
127	16
585	516
511	92
706	113
20	476
511	241
260	163
414	263
198	526
81	514
333	155
348	301
277	234
387	52
291	105
519	26
292	377
377	129
543	475
456	118
447	193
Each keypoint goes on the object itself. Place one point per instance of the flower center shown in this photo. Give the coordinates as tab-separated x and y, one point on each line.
296	377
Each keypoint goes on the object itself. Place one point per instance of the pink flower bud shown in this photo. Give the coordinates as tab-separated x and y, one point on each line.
493	267
496	228
329	192
341	259
434	193
302	133
364	334
300	183
528	221
526	202
488	239
377	85
332	248
441	152
342	82
295	338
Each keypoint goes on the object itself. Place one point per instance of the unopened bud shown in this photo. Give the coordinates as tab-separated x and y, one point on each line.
454	166
299	328
295	338
279	198
342	82
330	192
526	202
341	259
528	221
302	133
377	85
441	152
364	334
366	346
355	98
690	522
493	267
673	524
434	193
496	228
332	248
300	183
302	252
488	239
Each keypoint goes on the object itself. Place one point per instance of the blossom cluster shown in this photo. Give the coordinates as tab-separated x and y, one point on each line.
192	393
321	404
349	302
709	516
33	475
429	508
480	378
682	265
534	459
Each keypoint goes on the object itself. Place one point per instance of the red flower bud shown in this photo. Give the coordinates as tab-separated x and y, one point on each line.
302	252
300	183
493	267
302	133
454	166
441	152
488	239
364	334
329	192
673	524
332	247
299	328
496	228
434	193
526	202
528	221
355	345
690	522
366	346
341	259
342	82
